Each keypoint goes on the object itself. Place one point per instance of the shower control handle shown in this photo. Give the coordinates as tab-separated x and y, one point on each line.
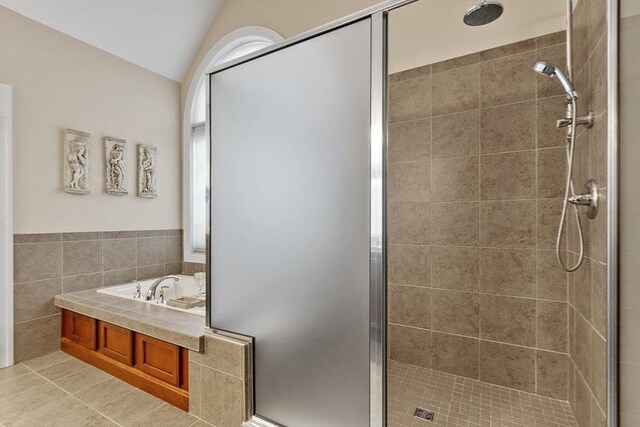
588	198
581	121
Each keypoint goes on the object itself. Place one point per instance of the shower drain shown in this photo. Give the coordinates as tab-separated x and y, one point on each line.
424	414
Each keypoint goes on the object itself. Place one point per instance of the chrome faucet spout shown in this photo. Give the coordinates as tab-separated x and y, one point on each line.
151	293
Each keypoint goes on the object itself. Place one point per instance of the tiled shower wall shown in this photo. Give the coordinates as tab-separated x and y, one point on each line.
476	171
49	264
588	286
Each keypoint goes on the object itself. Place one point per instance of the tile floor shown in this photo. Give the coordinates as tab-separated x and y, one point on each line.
459	401
59	390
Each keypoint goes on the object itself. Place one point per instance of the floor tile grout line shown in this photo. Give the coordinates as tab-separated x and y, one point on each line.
74	397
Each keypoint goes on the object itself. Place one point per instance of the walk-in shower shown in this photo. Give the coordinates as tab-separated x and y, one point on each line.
451	197
496	274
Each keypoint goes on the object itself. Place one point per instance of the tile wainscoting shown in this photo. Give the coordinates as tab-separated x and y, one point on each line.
49	264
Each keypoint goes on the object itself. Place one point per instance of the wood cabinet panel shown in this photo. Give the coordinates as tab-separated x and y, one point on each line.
158	358
184	368
115	342
79	329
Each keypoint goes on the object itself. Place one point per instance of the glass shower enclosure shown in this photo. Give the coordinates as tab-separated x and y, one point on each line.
296	250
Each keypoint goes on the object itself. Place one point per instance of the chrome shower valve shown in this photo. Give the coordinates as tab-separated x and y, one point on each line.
586	121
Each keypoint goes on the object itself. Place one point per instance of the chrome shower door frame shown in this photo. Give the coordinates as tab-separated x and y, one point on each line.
378	153
613	165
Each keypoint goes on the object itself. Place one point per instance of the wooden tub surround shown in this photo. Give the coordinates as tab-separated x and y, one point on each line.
158	367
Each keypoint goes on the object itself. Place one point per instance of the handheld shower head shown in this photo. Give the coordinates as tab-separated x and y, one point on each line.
550	70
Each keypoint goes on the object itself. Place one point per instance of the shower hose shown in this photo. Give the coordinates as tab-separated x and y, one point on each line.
569	191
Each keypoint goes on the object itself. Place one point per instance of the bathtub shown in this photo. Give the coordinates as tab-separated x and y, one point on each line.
185	287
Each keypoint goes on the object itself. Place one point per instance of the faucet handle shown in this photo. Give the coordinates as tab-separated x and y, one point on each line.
138	293
161	300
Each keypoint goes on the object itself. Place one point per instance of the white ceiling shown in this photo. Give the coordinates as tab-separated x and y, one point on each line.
159	35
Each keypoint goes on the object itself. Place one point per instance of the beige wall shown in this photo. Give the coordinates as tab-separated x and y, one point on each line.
60	82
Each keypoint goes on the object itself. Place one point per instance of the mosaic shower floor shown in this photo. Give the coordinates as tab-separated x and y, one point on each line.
459	401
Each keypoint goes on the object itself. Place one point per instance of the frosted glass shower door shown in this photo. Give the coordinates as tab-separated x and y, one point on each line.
291	191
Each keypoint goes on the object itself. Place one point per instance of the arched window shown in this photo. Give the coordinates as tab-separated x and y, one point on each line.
236	44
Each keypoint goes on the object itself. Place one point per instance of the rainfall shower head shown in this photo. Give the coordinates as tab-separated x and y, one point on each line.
550	70
483	13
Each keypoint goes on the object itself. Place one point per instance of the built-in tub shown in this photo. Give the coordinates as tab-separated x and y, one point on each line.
184	287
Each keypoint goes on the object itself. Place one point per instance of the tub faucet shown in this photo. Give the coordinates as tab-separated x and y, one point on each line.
151	293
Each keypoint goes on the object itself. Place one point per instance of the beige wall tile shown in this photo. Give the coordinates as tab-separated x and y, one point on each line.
580	286
582	408
599	297
508	224
508	128
408	182
36	238
598	142
508	49
548	111
508	272
598	382
454	223
81	257
551	374
508	319
173	268
35	299
88	235
195	389
223	404
81	283
507	365
551	172
409	264
410	99
580	36
583	347
455	267
551	39
551	279
410	345
521	85
412	73
556	55
460	61
456	90
508	176
37	261
150	272
456	134
150	251
455	312
552	326
409	223
172	249
117	277
409	141
35	338
598	78
548	220
410	306
455	179
224	354
119	254
456	355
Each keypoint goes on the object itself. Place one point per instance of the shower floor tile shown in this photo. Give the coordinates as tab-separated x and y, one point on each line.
459	401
